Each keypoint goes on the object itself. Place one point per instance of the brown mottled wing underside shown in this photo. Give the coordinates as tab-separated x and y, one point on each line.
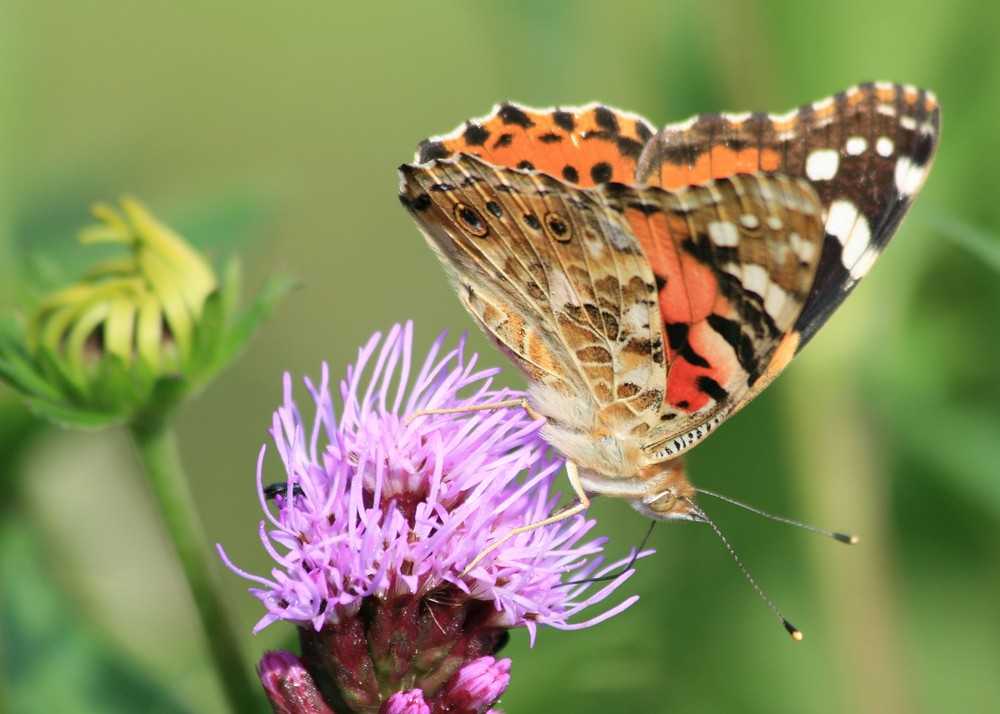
570	283
554	279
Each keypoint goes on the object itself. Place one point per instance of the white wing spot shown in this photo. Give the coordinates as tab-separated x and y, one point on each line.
841	219
749	221
851	228
775	301
805	250
908	123
864	263
823	104
774	223
885	146
909	176
736	118
766	192
724	234
822	164
755	278
779	253
856	145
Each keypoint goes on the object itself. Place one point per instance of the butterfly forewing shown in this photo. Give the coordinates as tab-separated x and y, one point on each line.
733	260
581	145
866	151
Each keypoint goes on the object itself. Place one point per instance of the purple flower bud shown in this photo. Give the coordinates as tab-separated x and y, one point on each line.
289	686
476	687
409	702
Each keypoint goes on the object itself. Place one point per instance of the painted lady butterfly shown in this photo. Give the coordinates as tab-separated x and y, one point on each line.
649	284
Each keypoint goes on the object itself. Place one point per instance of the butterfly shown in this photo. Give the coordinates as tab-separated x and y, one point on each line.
650	283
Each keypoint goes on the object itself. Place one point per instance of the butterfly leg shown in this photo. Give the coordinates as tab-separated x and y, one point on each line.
580	504
506	404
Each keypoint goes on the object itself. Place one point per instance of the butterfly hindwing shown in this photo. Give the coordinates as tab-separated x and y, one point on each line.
550	275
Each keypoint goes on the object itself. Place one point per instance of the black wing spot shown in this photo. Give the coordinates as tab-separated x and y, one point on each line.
712	388
688	353
643	131
526	165
647	209
475	134
470	219
606	119
494	208
510	114
564	120
571	174
419	202
601	172
677	334
558	227
503	140
550	138
629	147
431	150
532	220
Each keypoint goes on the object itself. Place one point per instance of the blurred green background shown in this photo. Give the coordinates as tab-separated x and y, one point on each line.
274	130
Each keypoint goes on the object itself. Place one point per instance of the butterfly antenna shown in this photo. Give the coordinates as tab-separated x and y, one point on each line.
795	632
631	562
841	537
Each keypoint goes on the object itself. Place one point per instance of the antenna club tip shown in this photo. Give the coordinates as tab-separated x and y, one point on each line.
795	632
846	538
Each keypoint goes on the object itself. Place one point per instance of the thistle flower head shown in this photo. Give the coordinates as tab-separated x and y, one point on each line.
379	516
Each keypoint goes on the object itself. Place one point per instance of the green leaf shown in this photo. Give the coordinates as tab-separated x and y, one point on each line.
70	418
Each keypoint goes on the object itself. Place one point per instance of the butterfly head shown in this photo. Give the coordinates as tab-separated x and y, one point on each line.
669	496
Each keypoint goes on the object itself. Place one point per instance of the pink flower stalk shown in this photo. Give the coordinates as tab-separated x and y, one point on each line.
378	518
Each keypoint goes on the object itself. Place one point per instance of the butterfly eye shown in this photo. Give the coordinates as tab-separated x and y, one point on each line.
664	502
470	219
558	227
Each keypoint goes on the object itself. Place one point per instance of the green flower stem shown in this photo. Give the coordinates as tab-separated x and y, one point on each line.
160	459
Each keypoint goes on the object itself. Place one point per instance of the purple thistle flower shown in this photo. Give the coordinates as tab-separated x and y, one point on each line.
377	520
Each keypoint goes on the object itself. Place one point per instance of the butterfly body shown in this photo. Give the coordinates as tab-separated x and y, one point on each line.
648	284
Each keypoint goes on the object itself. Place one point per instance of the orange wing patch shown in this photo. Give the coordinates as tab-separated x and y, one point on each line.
583	146
688	293
715	163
